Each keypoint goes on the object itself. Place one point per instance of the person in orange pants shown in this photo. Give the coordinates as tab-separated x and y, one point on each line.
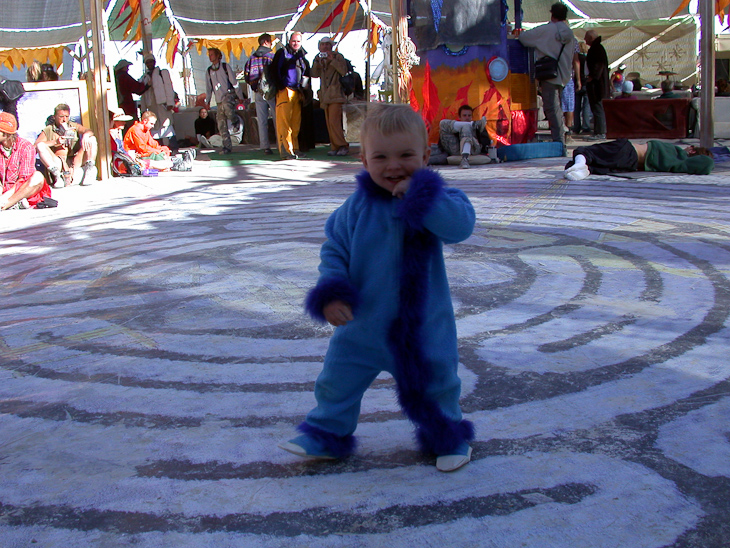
290	75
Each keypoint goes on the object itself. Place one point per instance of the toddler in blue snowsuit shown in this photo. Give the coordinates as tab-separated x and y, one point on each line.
383	285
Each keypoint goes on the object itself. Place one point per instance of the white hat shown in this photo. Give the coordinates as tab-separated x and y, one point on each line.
121	116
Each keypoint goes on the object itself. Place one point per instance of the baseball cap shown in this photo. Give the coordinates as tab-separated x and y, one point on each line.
8	123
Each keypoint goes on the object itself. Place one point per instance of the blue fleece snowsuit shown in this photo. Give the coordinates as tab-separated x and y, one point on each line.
384	257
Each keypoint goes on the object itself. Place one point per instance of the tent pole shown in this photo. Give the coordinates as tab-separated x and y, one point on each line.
398	25
100	71
145	13
367	52
707	62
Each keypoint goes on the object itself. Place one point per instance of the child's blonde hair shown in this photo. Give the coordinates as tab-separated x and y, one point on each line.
388	119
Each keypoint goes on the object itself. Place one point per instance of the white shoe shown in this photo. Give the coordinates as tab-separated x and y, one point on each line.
89	176
577	174
449	463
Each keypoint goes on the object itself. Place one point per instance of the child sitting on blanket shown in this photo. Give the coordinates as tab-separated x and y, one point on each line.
383	285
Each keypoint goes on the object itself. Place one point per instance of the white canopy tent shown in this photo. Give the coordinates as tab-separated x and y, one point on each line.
37	23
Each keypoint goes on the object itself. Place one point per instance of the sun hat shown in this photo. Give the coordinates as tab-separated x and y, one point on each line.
8	123
120	116
121	65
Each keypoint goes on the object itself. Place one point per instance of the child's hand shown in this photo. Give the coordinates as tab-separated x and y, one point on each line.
401	188
338	313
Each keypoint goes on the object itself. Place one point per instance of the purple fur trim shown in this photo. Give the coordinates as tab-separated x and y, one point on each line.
426	187
337	446
448	437
435	432
326	291
368	186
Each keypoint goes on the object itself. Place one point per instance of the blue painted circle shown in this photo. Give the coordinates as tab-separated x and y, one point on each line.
498	69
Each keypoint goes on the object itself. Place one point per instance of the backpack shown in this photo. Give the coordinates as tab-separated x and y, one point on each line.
123	166
351	82
11	90
255	73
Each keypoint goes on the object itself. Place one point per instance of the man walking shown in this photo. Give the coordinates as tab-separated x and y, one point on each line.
556	40
255	74
221	82
598	84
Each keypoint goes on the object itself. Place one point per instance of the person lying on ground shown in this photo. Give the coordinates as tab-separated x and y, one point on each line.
139	140
622	155
63	146
22	186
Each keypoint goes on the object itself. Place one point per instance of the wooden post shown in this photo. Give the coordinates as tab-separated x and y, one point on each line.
101	106
396	17
145	13
369	22
707	62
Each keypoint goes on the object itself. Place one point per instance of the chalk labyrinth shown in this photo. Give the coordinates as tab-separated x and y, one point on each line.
157	365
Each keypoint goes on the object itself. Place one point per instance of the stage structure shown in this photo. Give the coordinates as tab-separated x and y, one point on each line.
468	56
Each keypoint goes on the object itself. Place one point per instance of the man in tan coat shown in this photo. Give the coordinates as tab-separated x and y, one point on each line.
329	66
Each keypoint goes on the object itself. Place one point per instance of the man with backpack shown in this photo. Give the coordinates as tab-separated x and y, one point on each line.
330	66
255	74
221	82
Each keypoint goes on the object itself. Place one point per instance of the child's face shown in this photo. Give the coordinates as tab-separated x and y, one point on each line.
392	158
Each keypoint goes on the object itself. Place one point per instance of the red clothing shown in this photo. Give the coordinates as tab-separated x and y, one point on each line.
17	168
126	86
140	140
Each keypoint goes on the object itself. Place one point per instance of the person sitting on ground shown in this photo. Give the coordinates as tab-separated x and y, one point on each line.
626	88
67	149
668	90
459	137
205	128
118	122
139	140
330	66
22	186
622	155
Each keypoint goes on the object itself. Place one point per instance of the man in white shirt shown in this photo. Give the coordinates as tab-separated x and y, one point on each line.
160	99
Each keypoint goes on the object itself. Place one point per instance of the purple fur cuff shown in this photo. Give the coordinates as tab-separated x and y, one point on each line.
337	446
426	187
326	291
